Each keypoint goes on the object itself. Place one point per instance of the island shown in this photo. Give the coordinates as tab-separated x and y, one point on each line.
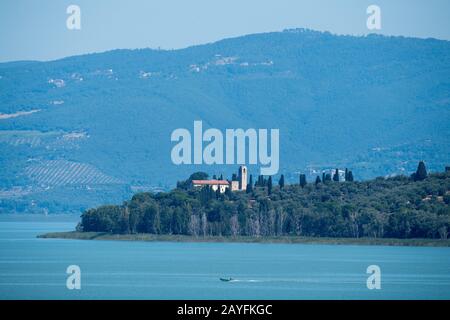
333	209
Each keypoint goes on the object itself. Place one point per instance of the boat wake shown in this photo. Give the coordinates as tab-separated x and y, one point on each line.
248	280
263	280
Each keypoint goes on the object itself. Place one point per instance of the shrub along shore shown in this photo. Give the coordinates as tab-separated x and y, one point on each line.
75	235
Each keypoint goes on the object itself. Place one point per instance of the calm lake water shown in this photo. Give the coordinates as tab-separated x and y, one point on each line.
32	268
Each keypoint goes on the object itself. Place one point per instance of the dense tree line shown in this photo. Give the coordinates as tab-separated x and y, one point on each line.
397	207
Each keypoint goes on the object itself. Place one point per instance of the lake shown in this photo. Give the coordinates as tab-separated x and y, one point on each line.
32	268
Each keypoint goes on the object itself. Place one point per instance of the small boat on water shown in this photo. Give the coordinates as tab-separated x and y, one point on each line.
226	279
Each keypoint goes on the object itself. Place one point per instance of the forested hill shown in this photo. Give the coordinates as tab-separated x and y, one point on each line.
398	207
92	129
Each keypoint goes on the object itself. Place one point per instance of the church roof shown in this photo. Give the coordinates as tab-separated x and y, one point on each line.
211	182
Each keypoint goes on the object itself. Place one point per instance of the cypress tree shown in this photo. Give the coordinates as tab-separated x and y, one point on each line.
269	185
218	193
212	194
250	185
421	172
260	181
281	182
336	175
303	180
350	176
318	180
228	192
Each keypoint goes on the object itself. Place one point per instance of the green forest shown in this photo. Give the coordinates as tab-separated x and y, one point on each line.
397	207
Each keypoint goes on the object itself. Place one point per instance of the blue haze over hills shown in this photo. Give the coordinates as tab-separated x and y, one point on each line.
93	129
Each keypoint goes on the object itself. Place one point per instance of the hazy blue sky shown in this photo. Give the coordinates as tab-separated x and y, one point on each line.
37	30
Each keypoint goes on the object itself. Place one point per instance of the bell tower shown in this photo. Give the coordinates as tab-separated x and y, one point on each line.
242	177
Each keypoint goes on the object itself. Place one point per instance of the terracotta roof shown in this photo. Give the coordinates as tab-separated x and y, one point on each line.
211	182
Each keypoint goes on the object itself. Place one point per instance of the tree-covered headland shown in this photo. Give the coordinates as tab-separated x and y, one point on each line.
395	207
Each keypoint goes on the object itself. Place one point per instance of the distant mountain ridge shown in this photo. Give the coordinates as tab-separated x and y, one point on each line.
374	104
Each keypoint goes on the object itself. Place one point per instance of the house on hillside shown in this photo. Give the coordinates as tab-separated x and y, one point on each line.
222	185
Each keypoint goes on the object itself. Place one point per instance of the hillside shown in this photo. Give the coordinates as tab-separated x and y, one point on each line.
85	130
